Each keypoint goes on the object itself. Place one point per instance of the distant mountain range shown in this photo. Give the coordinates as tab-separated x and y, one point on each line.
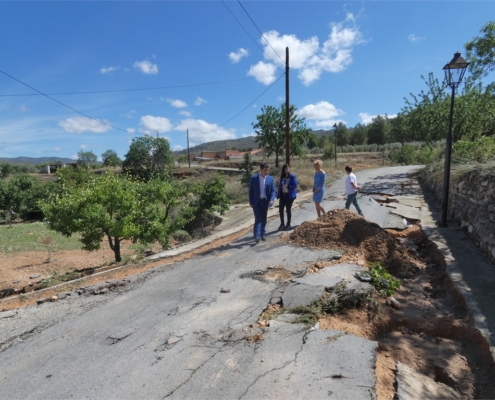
240	144
35	160
217	145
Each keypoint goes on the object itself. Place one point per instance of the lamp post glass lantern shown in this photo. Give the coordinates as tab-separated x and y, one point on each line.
454	72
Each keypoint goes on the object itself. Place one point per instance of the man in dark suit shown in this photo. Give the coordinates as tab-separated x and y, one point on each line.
261	197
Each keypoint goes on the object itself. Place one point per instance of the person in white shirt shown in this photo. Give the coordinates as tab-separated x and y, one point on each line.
352	189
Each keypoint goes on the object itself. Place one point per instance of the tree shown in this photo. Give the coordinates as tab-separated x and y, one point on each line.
426	117
86	158
379	130
323	141
209	196
481	51
111	159
359	134
118	207
270	131
17	195
246	167
181	159
342	134
6	170
148	157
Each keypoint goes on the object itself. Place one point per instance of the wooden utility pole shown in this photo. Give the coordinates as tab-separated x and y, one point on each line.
188	156
287	108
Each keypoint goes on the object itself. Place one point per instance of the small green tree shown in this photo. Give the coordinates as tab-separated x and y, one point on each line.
329	152
111	159
118	208
209	196
17	194
181	159
246	167
86	159
148	157
270	131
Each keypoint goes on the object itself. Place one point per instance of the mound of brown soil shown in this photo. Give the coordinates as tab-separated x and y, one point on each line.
349	232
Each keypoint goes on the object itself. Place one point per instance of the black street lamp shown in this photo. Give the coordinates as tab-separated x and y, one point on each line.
454	72
335	140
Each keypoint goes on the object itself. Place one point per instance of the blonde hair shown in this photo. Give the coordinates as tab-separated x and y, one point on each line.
318	162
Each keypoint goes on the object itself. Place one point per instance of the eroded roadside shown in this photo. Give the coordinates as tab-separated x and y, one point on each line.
432	331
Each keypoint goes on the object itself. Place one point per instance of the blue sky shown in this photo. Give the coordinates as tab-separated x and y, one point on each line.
168	66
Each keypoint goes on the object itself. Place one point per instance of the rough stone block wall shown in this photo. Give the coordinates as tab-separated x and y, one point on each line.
471	202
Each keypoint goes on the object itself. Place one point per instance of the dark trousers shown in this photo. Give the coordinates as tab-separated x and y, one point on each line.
352	199
260	216
285	202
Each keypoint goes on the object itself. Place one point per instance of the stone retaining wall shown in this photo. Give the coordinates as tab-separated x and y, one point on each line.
471	202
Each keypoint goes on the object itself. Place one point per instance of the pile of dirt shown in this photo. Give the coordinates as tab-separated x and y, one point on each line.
346	231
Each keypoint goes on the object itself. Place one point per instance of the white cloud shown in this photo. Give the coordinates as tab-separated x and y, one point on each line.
177	147
248	134
84	146
57	148
368	119
23	108
130	114
74	157
150	125
235	57
263	72
327	123
323	113
130	130
38	151
105	70
83	124
350	17
199	101
185	113
307	56
201	131
321	110
414	38
146	67
177	103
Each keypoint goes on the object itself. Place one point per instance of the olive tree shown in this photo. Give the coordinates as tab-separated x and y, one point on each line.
148	157
270	131
118	208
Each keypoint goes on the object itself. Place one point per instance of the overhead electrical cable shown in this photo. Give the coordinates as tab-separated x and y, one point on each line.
59	102
240	112
128	90
245	30
263	36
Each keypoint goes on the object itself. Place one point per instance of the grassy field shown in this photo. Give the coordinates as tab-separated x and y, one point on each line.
24	237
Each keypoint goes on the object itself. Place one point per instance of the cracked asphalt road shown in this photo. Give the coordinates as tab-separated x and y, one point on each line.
171	333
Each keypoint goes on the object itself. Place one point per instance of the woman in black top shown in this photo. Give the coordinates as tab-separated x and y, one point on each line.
286	192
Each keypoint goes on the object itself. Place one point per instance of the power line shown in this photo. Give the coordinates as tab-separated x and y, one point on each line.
245	30
263	36
59	102
269	87
126	90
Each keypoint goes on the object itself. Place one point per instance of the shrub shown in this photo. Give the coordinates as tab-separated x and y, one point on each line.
404	155
329	152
